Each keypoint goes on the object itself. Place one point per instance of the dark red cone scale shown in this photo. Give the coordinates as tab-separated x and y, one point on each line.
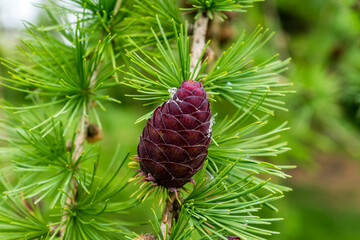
174	142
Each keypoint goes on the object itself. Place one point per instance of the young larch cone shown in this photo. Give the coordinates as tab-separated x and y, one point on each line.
175	140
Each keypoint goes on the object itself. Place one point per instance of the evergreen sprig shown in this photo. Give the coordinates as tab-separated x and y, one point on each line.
237	142
146	15
94	213
218	208
21	219
45	163
164	73
101	16
120	18
73	78
47	172
236	78
217	7
236	138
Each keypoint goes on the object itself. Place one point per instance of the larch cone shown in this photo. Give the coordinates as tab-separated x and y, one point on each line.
174	143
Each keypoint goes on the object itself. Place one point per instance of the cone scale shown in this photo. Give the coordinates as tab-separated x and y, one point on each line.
175	140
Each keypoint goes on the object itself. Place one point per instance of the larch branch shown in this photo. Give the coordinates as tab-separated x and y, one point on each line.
198	44
79	148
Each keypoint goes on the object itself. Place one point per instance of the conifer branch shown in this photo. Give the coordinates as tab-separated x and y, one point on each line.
200	28
198	46
78	149
79	146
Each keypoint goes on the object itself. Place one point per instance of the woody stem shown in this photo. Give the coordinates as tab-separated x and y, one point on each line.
168	215
198	44
78	150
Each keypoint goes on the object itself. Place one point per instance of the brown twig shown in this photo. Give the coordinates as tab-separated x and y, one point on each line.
117	7
168	215
78	150
199	35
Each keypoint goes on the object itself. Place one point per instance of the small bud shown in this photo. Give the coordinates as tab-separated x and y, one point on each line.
93	133
209	54
226	33
230	15
68	145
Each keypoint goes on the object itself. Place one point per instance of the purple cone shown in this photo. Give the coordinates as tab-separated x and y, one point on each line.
174	142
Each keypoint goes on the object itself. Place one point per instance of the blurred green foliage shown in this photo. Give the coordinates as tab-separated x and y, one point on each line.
322	37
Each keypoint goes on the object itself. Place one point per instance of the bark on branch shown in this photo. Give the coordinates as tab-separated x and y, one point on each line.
168	215
199	35
117	7
78	150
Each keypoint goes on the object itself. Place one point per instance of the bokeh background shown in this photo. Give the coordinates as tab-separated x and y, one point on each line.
323	39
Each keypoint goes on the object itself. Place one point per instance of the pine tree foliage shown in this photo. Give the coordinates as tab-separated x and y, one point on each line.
167	72
232	78
46	169
229	146
66	69
217	7
89	215
217	204
20	218
217	208
129	18
147	14
18	221
237	79
65	79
